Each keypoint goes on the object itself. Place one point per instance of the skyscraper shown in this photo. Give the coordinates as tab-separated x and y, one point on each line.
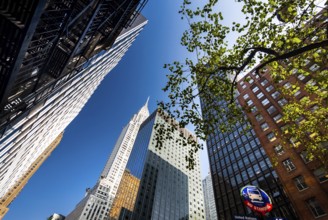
26	137
126	195
16	189
305	180
209	201
238	159
47	41
98	200
167	190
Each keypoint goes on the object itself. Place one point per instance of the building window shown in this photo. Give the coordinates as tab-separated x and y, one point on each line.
255	89
244	86
287	85
314	38
246	96
321	174
265	102
277	118
258	117
297	93
282	102
316	209
264	126
249	102
301	77
271	109
271	137
306	62
264	70
251	81
314	67
288	164
275	95
311	83
279	150
260	95
264	82
305	157
269	88
254	109
300	183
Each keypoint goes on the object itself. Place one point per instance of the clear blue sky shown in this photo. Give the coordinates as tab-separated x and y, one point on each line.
76	163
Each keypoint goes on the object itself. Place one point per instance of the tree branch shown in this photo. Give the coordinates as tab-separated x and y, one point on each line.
293	53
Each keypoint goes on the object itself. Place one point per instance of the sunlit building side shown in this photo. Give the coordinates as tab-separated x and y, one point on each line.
25	139
126	195
98	201
167	190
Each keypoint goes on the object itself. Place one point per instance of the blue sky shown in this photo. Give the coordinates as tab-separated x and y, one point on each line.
76	163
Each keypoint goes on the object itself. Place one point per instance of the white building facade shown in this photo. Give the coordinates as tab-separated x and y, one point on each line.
210	207
98	201
27	139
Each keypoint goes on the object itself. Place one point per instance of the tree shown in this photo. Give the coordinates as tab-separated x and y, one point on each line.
281	34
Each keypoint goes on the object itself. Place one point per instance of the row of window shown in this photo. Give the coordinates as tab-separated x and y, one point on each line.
320	173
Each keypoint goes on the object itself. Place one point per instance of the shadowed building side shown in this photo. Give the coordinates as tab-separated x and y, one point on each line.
238	159
304	180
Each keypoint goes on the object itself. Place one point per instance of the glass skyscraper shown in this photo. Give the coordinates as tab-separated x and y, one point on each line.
237	159
25	139
47	41
167	190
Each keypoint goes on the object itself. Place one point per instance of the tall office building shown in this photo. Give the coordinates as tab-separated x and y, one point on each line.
47	41
167	190
25	139
304	180
126	195
238	159
16	189
210	207
98	200
241	157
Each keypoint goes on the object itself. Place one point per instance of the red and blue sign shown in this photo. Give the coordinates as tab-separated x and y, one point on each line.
256	199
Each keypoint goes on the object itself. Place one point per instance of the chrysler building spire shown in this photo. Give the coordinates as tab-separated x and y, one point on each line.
106	188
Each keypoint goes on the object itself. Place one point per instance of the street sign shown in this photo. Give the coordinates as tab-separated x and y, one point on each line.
256	199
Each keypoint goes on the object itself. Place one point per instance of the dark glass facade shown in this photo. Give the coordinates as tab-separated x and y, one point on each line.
238	159
295	170
163	191
139	151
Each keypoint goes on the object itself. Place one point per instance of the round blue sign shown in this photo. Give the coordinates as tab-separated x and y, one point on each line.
256	199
